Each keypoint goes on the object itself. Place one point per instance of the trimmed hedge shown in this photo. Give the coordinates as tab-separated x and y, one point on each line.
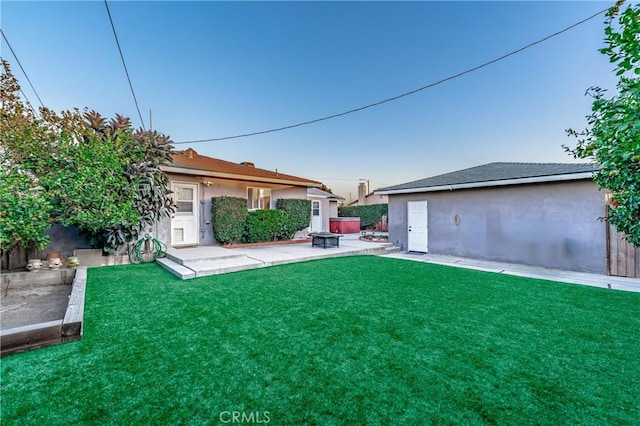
267	225
299	211
369	215
229	215
233	223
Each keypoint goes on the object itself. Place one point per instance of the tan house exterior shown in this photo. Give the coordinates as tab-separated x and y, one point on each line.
324	205
196	178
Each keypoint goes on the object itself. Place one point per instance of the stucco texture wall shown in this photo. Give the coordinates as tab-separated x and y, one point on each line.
553	225
333	210
219	187
374	199
328	209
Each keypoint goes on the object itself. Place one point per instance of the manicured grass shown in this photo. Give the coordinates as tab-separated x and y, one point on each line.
354	340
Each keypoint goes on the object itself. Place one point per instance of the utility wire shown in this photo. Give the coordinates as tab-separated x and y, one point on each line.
24	72
124	64
351	111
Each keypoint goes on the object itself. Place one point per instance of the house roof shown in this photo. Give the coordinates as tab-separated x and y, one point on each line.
191	163
496	174
319	193
371	194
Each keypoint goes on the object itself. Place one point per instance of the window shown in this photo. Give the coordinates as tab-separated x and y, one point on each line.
315	208
184	198
258	198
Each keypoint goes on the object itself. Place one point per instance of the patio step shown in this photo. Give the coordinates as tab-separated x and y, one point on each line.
201	254
206	267
378	249
203	268
175	268
391	249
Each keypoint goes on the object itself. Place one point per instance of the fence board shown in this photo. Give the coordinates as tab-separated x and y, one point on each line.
18	257
624	257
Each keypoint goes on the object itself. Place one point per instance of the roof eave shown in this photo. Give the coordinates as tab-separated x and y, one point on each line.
505	182
326	197
210	173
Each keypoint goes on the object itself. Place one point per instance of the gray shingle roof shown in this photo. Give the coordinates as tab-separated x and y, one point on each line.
495	172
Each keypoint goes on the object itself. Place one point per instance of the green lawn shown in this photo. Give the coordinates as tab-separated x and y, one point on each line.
352	340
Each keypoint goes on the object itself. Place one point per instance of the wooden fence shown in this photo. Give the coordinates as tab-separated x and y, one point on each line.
623	257
18	257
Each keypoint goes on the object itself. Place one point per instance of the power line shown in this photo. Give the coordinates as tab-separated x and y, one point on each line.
394	98
24	72
124	64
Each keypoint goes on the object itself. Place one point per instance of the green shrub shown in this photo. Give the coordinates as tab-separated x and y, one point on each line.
299	211
100	175
229	215
232	222
369	215
267	225
24	211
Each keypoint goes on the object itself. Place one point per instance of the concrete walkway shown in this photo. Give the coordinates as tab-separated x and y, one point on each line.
594	280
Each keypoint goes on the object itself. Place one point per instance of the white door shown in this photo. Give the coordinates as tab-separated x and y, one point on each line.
316	216
184	224
418	237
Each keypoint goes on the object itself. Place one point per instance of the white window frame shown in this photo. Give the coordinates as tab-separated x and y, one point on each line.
262	193
193	200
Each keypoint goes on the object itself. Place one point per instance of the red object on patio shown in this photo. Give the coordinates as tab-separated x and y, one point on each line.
344	225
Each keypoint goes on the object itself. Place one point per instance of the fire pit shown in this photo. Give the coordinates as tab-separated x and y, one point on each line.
325	239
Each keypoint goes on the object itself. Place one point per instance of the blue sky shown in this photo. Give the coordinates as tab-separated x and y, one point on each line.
217	69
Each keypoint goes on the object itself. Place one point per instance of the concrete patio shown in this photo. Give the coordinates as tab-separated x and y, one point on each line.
201	261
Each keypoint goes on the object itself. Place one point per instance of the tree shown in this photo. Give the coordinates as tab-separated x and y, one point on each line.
612	138
145	152
25	207
102	176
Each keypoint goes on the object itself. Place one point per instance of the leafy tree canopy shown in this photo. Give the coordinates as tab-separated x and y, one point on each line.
78	169
612	138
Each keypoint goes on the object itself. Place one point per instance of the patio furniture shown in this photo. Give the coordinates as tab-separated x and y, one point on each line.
325	239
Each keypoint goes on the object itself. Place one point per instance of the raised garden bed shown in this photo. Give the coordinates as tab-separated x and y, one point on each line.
41	308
